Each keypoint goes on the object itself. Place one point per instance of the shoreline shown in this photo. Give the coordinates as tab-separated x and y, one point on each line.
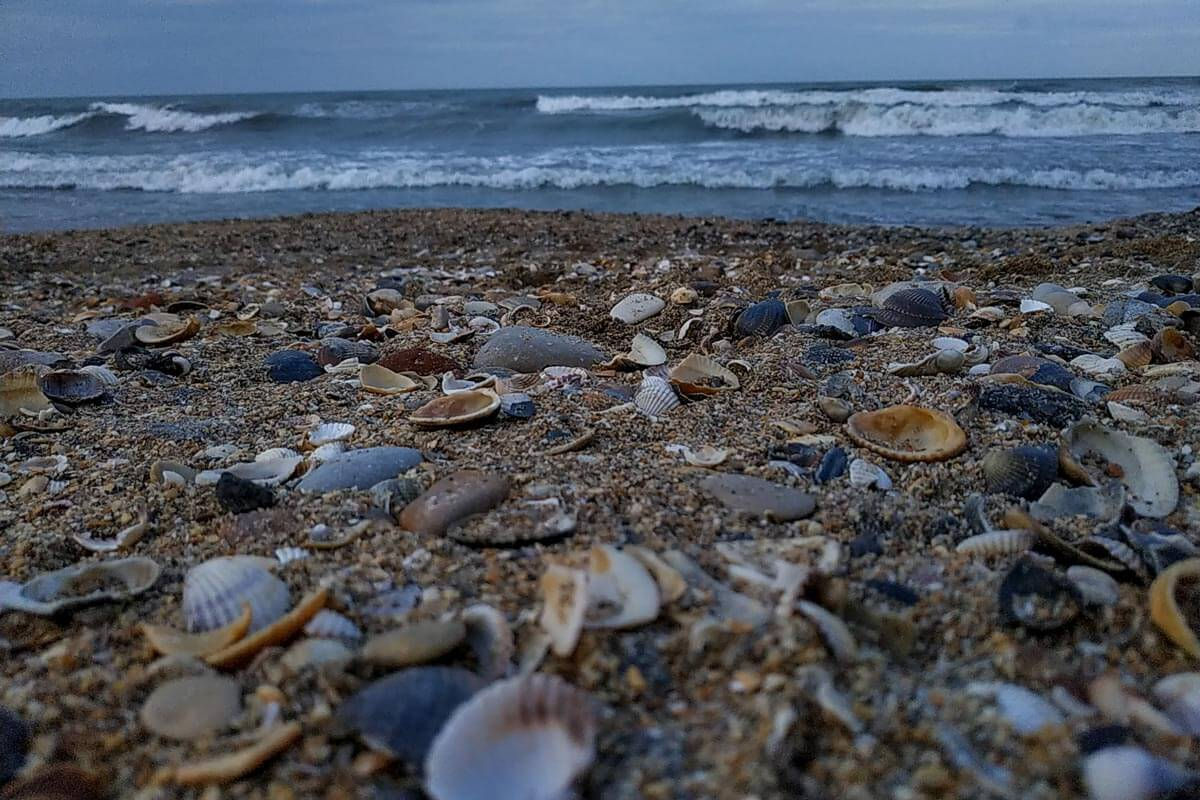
711	698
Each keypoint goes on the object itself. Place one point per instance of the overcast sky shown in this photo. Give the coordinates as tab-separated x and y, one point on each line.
93	47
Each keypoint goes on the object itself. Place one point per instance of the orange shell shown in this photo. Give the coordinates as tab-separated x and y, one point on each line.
456	409
907	433
1164	608
170	642
277	632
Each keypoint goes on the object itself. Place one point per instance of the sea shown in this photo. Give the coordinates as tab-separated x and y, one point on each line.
993	153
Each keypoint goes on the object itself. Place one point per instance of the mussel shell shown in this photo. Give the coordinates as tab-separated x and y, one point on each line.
762	319
1025	471
1037	598
832	465
71	387
1035	370
912	308
1172	284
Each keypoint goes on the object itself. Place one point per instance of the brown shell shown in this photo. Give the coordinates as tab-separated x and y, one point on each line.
1147	397
907	433
1164	604
420	361
278	632
170	642
456	409
1137	355
168	332
1170	346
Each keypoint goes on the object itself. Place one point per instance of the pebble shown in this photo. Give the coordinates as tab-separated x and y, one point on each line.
413	644
292	366
525	349
192	708
454	497
360	469
14	743
759	497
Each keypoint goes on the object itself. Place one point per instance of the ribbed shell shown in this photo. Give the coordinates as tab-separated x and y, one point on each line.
335	350
215	591
655	397
912	308
1169	346
762	319
71	387
332	625
328	432
996	543
1137	355
1020	471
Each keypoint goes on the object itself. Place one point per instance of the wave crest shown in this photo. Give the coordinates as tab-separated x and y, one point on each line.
164	119
20	127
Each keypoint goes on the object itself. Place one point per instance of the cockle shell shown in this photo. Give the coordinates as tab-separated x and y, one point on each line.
525	738
80	585
762	319
621	592
328	624
699	374
215	591
1164	604
1025	471
20	393
907	433
1169	346
328	432
378	379
169	331
996	543
912	308
71	387
565	601
863	473
655	397
1146	468
456	409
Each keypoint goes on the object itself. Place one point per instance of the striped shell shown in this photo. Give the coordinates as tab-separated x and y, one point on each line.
286	555
762	319
1125	335
19	391
215	591
996	543
525	738
907	433
1170	346
1136	356
655	397
863	473
328	624
1025	471
912	308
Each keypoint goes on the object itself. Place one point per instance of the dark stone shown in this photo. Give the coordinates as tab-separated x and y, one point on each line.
14	743
292	366
360	469
827	355
833	465
893	591
1038	598
239	496
1040	405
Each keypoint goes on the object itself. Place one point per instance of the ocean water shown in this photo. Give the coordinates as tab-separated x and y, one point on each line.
949	153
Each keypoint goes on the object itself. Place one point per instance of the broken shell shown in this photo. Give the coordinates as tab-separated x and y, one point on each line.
191	708
565	601
491	639
646	352
797	311
941	362
278	632
20	393
1127	772
415	643
268	472
170	642
655	397
167	332
328	432
456	409
837	409
382	302
671	584
762	319
1146	468
1037	598
637	307
1169	346
621	593
833	630
1099	367
996	543
699	374
327	624
705	456
1137	355
950	343
378	379
1025	471
286	555
231	767
1125	335
684	296
912	308
863	474
71	387
524	738
82	584
1179	695
1096	587
907	433
215	592
171	472
1027	711
1164	604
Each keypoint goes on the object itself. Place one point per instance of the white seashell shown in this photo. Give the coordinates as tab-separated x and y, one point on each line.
276	453
525	738
106	375
818	685
671	584
656	397
1029	306
863	474
1028	712
950	343
565	601
1179	695
838	318
833	630
350	366
270	472
491	639
453	385
980	369
286	555
1125	335
637	307
1147	469
1123	413
704	456
327	451
328	432
1099	367
124	538
621	592
646	352
1097	587
996	543
328	624
220	452
483	326
215	591
1127	772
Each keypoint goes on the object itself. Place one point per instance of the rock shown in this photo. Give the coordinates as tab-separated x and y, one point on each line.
1032	402
418	360
480	308
292	366
759	497
14	743
1126	309
239	496
414	644
454	497
323	654
360	469
637	307
525	349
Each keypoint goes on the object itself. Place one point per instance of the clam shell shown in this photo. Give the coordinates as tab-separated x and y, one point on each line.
996	543
1169	346
646	352
328	624
191	708
565	601
705	456
524	738
215	591
378	379
762	319
1146	468
863	474
701	374
20	392
912	308
655	397
456	409
907	433
621	592
1164	603
1021	471
1127	772
76	586
797	311
336	350
1096	587
328	432
167	332
71	387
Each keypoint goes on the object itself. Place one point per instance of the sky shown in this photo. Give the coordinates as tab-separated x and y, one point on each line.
107	47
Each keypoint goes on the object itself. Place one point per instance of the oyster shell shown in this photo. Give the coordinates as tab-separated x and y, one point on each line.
1146	468
907	433
80	585
215	592
456	409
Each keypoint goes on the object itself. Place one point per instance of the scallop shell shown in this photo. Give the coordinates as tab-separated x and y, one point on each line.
328	432
1136	356
621	592
456	409
996	543
762	319
1025	471
655	397
167	332
863	474
20	393
71	387
699	374
1164	604
1146	468
328	624
378	379
565	601
907	433
82	584
912	308
1170	345
215	591
524	738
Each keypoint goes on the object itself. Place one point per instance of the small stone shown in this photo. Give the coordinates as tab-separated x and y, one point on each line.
292	366
759	497
636	308
360	469
454	497
192	708
525	349
239	496
14	744
837	409
323	654
414	644
517	405
480	308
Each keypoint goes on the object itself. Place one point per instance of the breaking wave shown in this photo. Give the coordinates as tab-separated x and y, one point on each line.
20	127
164	119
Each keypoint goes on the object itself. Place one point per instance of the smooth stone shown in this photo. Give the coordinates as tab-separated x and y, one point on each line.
480	308
192	708
454	497
414	644
759	497
319	653
637	307
360	469
238	496
525	349
14	744
292	366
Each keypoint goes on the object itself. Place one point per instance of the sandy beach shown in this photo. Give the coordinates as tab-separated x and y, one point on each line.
819	631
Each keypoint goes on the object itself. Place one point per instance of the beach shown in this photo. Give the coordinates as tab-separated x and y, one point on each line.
819	630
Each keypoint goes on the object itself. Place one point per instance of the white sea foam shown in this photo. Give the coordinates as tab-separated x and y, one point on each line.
164	119
18	127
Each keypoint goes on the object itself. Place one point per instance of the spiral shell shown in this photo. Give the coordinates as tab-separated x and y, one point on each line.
215	591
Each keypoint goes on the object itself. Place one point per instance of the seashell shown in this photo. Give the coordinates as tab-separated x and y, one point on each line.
621	593
907	433
833	630
637	307
456	409
837	409
988	315
941	362
1169	346
491	639
325	655
1160	550
646	352
1096	587
1137	355
1020	471
565	602
43	465
171	642
671	585
1172	284
950	343
275	454
382	302
818	685
330	432
336	350
233	766
1123	413
832	465
269	472
996	543
1100	503
414	643
705	456
453	385
1179	696
125	538
191	708
286	555
655	397
378	379
864	474
1037	370
1127	772
170	472
762	319
912	308
1146	468
277	633
1027	712
327	624
1165	607
684	296
71	387
327	452
1116	552
1030	306
517	405
1099	367
1037	598
215	591
167	332
21	394
525	738
80	585
1138	396
699	374
836	319
1125	335
797	311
